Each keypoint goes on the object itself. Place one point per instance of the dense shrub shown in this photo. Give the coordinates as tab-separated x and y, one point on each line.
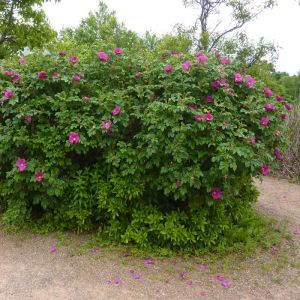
151	149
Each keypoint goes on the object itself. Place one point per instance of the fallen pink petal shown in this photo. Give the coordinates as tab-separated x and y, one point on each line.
203	266
189	282
148	262
297	231
137	275
117	280
52	249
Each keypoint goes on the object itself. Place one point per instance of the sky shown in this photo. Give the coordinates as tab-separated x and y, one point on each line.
279	25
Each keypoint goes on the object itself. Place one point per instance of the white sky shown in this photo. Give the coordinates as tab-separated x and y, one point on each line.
280	25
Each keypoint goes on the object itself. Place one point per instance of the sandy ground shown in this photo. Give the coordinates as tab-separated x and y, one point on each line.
28	270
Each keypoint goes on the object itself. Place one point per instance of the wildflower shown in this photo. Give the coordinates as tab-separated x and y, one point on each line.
16	78
74	138
278	155
288	106
208	99
283	116
265	171
76	78
137	275
28	118
209	117
183	274
215	84
73	59
116	111
117	280
268	92
252	140
264	121
216	193
39	177
296	231
186	65
138	74
269	107
55	75
118	51
62	53
198	118
21	61
168	68
201	58
21	164
193	106
203	266
42	75
238	77
224	61
102	56
9	72
106	125
85	98
279	98
8	94
250	81
222	80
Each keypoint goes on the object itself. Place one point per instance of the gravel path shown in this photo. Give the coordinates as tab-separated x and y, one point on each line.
29	271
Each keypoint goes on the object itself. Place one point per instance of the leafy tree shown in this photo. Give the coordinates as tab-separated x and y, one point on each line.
242	11
104	26
23	24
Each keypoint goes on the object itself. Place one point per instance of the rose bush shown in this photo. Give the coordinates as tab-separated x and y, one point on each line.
152	149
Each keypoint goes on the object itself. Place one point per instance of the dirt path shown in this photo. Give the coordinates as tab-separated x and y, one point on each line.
29	271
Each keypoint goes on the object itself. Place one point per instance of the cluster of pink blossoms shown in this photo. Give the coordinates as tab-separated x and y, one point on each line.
21	164
208	117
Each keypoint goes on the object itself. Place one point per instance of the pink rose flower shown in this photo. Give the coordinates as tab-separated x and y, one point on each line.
9	72
21	164
76	78
42	75
238	78
28	118
39	177
73	59
209	117
216	193
74	138
288	106
118	51
168	68
116	111
265	171
180	55
283	116
102	56
62	53
208	99
269	107
16	78
8	94
279	98
193	106
223	80
268	92
21	61
252	140
85	98
250	81
215	84
198	118
106	125
278	155
264	121
224	61
55	75
186	65
138	74
201	58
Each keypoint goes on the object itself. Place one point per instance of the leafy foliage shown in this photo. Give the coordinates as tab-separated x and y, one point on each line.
130	144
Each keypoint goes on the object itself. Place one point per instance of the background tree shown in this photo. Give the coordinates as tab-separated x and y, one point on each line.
208	31
23	24
102	26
